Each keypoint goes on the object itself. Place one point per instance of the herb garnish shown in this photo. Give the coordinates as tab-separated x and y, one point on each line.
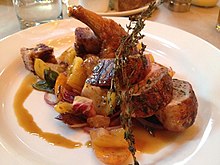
120	82
47	85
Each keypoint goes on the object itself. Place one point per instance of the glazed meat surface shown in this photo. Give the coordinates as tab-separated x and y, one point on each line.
181	112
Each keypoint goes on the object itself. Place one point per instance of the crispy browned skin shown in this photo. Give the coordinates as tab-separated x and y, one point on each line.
152	93
103	72
86	42
181	112
137	68
105	29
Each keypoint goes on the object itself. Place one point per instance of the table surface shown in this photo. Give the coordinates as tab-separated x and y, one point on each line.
198	21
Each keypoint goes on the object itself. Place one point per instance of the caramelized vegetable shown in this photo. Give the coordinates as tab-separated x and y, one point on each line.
111	102
39	67
63	107
78	75
67	56
110	146
61	81
104	138
98	121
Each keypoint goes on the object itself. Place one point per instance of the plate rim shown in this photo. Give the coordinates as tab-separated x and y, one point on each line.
152	23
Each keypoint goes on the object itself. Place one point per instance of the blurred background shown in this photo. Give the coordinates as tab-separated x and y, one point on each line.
200	21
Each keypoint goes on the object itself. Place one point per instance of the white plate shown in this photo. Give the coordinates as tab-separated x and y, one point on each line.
192	58
115	13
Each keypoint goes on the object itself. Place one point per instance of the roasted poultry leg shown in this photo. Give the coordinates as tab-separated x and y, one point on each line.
108	31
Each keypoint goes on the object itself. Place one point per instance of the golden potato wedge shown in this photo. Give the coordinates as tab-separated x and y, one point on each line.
63	107
61	81
111	102
112	156
110	146
56	67
39	67
67	56
112	139
78	75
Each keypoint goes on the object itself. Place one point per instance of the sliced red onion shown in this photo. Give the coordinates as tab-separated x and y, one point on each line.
50	98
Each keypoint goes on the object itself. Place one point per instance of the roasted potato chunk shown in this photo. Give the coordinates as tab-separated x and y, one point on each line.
78	75
110	146
67	56
39	67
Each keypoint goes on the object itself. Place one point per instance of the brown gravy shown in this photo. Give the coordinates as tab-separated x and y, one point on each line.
26	121
145	143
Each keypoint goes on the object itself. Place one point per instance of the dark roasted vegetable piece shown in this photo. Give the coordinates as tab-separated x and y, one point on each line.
41	51
86	42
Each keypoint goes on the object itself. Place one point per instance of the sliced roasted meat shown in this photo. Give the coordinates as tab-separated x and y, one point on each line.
41	51
86	42
181	112
152	93
108	31
137	68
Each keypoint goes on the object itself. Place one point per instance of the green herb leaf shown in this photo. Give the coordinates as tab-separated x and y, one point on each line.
127	47
42	85
50	77
47	85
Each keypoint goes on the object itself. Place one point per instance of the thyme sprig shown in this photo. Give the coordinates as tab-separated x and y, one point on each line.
120	83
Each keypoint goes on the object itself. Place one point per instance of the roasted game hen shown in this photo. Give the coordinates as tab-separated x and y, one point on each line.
83	75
